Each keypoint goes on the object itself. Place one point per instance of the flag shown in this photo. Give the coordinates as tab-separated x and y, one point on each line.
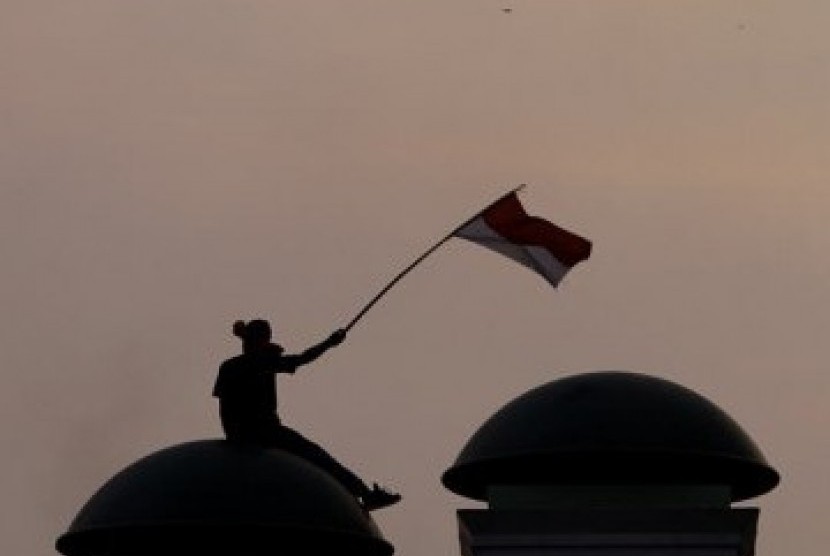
506	228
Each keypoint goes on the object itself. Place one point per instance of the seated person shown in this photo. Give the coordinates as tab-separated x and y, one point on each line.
246	388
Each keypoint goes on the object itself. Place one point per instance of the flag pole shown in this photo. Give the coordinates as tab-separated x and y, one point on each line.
426	254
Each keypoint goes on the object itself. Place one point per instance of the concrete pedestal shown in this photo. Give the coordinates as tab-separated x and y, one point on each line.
608	532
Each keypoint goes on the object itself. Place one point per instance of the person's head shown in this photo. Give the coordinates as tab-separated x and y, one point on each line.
255	334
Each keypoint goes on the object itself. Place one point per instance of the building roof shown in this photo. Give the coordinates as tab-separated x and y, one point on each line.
211	497
610	428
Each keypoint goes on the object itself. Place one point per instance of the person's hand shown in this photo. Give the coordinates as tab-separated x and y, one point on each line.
337	337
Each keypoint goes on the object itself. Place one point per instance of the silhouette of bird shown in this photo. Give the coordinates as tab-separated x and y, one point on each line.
507	10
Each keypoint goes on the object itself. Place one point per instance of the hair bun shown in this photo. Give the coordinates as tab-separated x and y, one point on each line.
239	329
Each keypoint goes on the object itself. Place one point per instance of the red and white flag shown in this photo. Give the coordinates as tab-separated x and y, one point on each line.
506	228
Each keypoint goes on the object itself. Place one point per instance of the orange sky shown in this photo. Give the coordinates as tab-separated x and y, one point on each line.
168	167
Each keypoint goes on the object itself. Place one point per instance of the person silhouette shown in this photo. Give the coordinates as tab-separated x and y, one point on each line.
246	388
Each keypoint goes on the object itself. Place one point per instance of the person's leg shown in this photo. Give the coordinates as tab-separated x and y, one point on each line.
273	434
292	441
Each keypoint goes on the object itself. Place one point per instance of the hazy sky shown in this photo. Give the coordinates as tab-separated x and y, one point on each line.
169	166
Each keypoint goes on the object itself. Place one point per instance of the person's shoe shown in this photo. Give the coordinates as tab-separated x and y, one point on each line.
378	498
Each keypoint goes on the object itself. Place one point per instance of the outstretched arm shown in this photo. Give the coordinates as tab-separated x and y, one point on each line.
316	351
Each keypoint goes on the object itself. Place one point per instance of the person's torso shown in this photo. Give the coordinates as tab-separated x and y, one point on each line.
246	384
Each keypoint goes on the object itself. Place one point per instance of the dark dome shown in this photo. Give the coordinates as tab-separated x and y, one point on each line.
610	428
211	497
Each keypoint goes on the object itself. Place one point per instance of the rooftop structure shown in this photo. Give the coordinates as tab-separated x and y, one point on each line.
214	498
610	462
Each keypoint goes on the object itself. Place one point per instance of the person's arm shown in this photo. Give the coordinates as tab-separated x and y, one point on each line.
312	353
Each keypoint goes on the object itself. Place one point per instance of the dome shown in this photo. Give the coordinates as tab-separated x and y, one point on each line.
613	428
211	497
